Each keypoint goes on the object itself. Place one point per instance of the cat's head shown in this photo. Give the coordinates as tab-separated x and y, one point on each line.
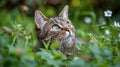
58	28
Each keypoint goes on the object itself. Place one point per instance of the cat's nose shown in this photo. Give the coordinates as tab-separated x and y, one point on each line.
68	32
66	29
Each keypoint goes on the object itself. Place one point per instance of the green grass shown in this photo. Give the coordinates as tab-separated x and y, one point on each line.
100	49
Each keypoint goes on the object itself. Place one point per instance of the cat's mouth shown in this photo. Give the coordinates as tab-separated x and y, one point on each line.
67	41
68	38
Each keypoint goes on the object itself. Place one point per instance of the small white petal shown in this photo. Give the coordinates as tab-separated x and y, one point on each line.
87	20
19	25
117	24
107	31
108	13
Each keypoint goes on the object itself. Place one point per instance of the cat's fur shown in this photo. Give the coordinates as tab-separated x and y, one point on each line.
58	29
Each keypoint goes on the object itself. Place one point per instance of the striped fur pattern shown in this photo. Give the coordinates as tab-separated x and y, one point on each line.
58	29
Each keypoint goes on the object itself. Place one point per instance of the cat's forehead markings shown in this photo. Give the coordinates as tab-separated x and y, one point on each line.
52	20
55	20
60	21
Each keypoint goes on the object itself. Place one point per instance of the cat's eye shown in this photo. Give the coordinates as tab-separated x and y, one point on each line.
68	24
55	28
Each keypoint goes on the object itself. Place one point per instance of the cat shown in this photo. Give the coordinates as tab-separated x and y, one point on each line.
56	29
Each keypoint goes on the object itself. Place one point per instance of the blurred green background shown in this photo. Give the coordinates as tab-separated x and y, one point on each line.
17	35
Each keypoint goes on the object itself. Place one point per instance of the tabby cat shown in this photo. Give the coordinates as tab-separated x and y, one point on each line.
56	29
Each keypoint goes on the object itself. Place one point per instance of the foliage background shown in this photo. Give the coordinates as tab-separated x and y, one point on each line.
101	34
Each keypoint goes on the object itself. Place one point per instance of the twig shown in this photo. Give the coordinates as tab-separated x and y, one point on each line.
9	31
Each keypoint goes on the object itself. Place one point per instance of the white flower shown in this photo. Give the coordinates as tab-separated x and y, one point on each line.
117	24
19	25
87	20
108	13
107	31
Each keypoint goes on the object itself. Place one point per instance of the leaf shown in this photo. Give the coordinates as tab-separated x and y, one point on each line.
13	39
46	44
54	45
95	49
28	56
77	63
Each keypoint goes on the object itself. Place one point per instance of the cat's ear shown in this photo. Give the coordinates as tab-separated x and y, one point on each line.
64	12
40	19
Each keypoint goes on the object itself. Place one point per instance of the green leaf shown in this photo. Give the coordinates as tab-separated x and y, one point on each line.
95	49
28	56
54	45
13	39
46	44
77	63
